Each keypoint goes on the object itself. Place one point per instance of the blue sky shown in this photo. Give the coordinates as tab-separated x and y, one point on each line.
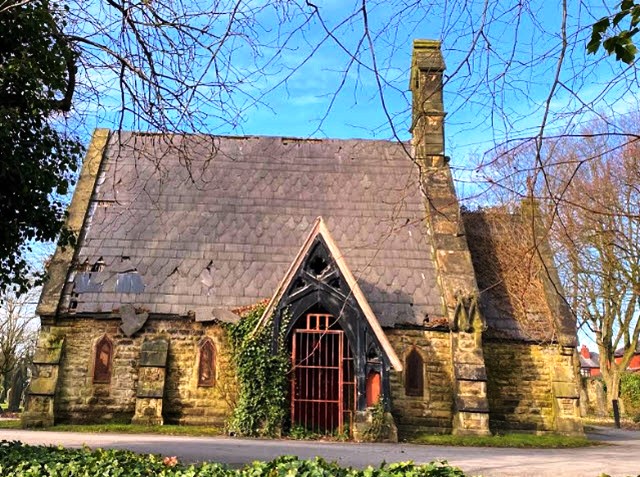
502	60
507	73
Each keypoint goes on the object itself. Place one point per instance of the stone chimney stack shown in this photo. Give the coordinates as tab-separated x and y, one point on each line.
427	125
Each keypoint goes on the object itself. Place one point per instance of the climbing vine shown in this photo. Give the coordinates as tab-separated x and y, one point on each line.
376	429
262	377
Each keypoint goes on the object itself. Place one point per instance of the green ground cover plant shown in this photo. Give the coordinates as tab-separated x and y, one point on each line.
19	460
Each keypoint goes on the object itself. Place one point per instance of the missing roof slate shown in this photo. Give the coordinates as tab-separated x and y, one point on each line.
87	282
245	220
129	282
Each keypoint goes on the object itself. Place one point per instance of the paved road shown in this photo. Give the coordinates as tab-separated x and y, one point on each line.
619	457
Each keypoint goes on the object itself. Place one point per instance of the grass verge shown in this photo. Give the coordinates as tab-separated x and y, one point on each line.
545	441
167	430
10	424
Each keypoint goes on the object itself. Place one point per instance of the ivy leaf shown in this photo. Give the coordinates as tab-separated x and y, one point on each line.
597	33
619	17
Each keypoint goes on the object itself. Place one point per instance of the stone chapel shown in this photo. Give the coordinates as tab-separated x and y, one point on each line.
392	293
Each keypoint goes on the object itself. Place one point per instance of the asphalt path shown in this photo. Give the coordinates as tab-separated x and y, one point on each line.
618	456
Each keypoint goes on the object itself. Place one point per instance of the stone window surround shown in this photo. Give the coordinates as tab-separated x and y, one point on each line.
101	374
414	373
208	379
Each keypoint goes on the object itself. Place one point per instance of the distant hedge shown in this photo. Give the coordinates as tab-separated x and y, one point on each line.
630	393
19	460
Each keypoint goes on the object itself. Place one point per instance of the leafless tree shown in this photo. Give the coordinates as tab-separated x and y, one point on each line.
18	330
598	231
515	69
591	200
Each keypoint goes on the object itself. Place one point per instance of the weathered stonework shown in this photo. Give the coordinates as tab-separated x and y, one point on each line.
593	397
565	389
80	400
365	429
524	391
58	268
519	386
185	402
432	412
454	267
151	379
472	416
164	256
40	402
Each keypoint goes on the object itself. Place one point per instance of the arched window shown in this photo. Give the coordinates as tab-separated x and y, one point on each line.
207	366
414	374
102	362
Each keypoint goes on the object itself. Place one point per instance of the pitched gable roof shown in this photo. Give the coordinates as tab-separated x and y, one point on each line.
515	296
202	222
592	362
319	229
620	351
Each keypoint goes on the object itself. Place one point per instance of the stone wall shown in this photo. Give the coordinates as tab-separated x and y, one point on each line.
519	382
432	412
186	402
524	381
80	400
593	397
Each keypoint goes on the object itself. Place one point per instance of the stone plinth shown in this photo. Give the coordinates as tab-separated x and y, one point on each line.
368	427
151	379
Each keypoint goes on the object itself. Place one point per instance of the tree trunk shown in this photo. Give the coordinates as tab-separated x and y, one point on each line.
612	381
5	387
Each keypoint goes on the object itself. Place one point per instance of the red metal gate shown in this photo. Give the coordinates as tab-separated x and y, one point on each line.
323	386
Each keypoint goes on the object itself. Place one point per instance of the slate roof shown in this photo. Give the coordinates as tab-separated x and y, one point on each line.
620	351
192	223
592	362
510	277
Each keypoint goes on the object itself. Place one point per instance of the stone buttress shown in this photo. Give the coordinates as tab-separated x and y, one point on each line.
453	260
40	403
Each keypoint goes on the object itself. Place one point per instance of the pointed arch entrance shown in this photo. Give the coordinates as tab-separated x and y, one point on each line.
323	387
335	339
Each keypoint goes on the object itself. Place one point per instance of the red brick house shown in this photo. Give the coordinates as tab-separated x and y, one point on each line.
589	362
634	364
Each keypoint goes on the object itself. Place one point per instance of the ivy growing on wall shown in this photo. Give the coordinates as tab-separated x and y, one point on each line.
262	378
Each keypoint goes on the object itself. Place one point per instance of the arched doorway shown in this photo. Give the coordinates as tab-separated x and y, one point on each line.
323	384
